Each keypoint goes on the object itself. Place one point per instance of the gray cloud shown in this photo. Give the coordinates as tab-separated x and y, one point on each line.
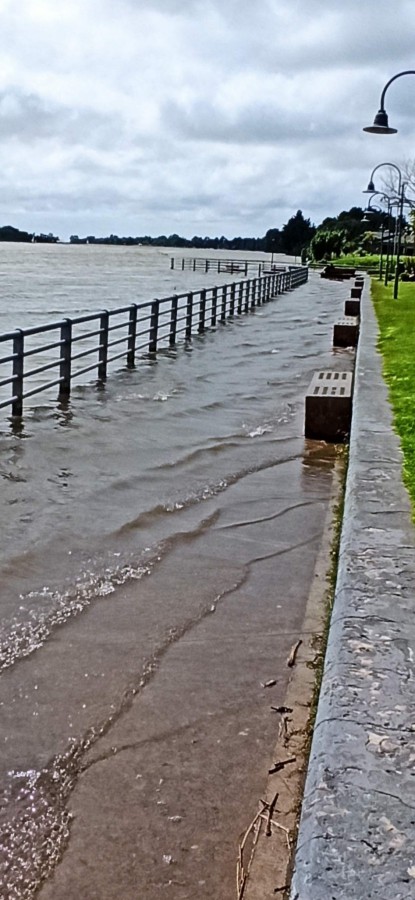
255	123
219	115
30	118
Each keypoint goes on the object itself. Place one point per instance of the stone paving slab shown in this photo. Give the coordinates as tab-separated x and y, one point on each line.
357	828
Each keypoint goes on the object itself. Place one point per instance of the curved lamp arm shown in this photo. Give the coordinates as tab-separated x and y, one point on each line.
371	187
380	123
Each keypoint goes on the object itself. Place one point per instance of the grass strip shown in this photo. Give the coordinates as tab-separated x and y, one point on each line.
396	343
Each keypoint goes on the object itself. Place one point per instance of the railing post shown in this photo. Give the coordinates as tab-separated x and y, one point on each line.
232	301
154	326
202	311
247	292
132	333
189	313
223	309
214	306
18	366
65	358
173	320
103	345
240	296
253	292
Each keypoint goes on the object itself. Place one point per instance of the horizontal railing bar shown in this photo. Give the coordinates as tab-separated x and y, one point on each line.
83	353
141	333
122	340
83	337
6	359
75	373
40	329
43	387
8	380
8	335
42	349
119	310
9	402
39	369
117	356
123	324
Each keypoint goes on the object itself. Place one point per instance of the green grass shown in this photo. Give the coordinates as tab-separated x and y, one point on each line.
360	262
397	344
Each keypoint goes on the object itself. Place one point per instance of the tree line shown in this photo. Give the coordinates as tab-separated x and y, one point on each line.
343	233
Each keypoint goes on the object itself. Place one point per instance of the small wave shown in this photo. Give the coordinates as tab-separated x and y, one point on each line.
262	429
46	609
199	454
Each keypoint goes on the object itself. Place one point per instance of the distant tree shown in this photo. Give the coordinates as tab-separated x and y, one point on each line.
45	238
8	233
325	244
296	234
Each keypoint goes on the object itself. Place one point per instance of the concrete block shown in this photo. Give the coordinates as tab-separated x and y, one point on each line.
352	308
328	406
346	332
356	292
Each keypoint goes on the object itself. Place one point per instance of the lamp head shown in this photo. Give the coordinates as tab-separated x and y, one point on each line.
380	124
370	188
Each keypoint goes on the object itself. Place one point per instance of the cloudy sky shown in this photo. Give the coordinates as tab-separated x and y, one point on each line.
196	116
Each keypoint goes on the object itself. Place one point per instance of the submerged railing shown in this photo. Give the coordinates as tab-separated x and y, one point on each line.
231	266
137	329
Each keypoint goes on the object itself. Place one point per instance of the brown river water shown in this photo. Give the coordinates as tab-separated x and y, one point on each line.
158	540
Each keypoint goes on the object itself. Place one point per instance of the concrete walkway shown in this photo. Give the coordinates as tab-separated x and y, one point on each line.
356	838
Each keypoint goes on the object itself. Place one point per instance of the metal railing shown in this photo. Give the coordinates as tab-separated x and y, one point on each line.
66	346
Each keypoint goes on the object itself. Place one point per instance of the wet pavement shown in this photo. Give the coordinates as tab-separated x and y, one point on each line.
163	794
357	826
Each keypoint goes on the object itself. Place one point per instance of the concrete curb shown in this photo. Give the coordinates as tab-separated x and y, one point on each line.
356	831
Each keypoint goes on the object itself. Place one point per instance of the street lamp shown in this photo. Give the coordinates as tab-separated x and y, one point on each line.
381	124
371	187
370	209
400	194
401	200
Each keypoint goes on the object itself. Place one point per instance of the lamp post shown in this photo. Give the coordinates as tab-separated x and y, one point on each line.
390	204
401	200
399	244
381	123
368	210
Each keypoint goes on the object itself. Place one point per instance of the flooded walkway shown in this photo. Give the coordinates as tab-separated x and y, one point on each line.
172	526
